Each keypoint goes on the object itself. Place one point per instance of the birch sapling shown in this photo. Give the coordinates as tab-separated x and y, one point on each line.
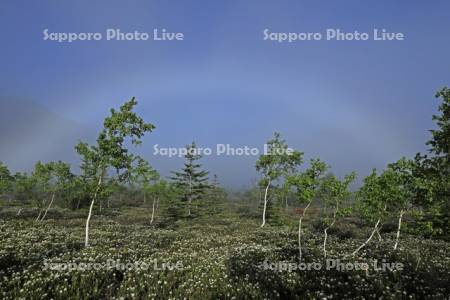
372	201
275	164
110	152
306	187
335	192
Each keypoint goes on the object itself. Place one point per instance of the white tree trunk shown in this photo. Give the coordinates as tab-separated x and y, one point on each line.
153	210
86	240
48	207
300	232
39	215
398	229
375	228
265	205
380	239
19	211
40	210
326	233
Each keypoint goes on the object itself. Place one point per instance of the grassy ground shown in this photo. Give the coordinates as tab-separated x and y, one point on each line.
225	256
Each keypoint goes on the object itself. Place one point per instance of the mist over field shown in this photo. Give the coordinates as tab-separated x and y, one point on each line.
356	104
27	124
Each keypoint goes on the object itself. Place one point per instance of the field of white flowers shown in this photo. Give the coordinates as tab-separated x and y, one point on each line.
208	258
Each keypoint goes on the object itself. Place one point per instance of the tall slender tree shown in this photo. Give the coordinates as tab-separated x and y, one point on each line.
43	185
335	192
160	191
277	163
144	176
214	196
440	142
434	172
306	186
405	189
373	199
191	181
61	180
110	151
148	180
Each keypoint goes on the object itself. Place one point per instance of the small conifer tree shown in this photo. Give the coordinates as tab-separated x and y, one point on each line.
191	181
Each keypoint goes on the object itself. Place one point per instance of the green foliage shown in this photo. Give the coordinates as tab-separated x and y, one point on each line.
23	187
6	179
219	261
145	177
63	175
440	142
278	161
160	189
373	196
191	181
433	174
110	150
216	191
334	193
432	192
276	165
283	192
53	178
42	179
215	197
72	191
405	184
143	174
78	193
390	192
307	184
171	207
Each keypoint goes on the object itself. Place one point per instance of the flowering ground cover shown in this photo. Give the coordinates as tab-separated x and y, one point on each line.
224	257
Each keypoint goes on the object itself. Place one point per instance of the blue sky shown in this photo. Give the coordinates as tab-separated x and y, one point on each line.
356	105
